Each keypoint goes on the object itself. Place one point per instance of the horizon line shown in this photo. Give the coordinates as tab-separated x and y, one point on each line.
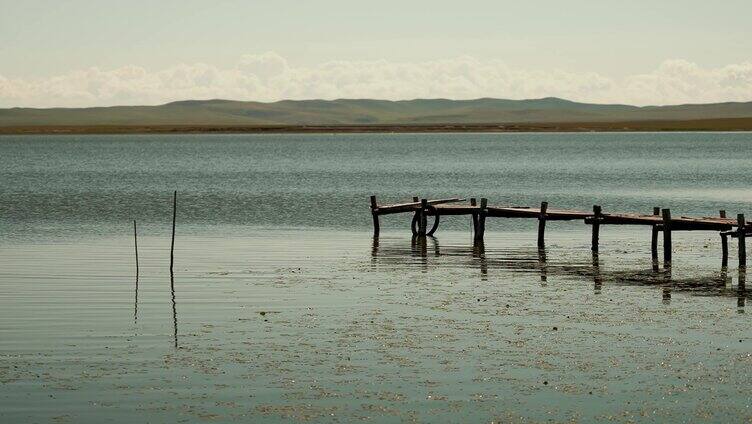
378	100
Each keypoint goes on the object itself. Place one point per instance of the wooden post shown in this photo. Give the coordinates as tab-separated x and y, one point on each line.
416	217
667	237
654	239
596	227
542	225
473	202
375	214
423	220
742	241
724	243
174	213
481	227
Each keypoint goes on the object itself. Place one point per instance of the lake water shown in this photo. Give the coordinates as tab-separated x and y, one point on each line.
284	308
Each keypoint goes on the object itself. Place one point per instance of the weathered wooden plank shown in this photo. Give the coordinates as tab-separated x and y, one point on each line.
523	212
735	233
454	210
449	207
412	206
683	223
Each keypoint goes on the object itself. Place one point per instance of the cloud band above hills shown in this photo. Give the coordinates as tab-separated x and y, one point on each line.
269	77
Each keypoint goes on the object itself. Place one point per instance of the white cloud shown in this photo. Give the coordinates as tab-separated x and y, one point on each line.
269	77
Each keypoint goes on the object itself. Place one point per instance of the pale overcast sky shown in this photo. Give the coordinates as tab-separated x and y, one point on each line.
91	53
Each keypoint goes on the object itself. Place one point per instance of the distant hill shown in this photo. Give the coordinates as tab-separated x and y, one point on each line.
366	112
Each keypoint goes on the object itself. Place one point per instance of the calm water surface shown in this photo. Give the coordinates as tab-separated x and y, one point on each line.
285	309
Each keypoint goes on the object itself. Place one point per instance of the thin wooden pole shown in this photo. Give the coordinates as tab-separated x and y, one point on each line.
654	237
724	243
481	227
667	237
135	301
596	227
423	221
172	274
375	214
742	240
174	214
542	225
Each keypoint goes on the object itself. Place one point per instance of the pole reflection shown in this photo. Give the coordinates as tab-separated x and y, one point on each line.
542	266
741	290
597	278
174	310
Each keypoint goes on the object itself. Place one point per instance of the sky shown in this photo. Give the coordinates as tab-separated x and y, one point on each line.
80	53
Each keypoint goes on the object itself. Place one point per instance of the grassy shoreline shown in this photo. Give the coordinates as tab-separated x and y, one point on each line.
730	124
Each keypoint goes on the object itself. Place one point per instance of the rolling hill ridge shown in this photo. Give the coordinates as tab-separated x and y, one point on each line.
366	112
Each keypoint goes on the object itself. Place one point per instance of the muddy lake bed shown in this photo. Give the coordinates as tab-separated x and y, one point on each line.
286	309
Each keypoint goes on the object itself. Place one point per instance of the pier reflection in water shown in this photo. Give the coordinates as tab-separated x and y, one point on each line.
429	252
296	320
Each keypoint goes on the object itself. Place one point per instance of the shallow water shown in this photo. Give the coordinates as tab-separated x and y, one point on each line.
285	309
72	185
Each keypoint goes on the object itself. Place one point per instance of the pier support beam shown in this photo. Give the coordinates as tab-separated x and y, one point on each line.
474	202
666	237
375	215
416	218
596	228
724	243
423	218
654	238
480	228
542	225
742	241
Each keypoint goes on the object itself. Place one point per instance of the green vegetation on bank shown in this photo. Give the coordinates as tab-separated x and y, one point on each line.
428	114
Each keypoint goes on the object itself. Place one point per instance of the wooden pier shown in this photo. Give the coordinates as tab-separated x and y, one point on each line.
660	221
